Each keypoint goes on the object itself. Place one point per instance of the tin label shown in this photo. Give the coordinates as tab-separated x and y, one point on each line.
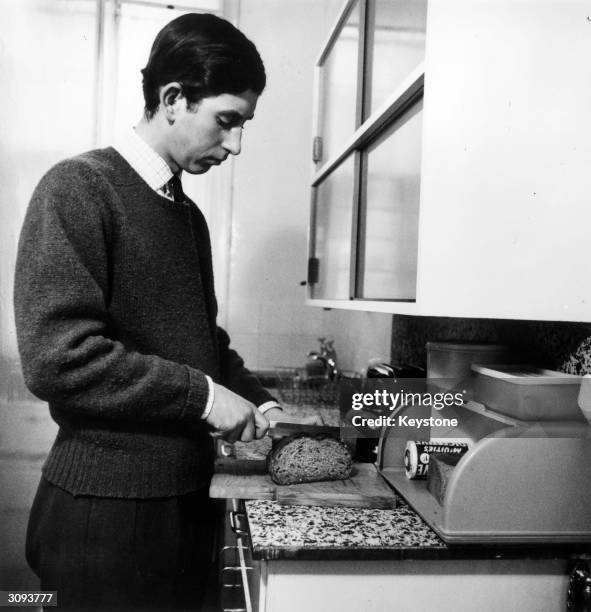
416	455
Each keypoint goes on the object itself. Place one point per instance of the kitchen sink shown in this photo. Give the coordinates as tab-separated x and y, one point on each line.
296	386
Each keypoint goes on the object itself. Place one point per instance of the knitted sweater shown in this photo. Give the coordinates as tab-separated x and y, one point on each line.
116	324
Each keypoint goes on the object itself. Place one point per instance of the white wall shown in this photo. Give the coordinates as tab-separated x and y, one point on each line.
267	318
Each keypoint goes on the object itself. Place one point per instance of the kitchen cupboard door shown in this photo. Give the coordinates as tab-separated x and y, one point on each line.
388	220
483	585
506	177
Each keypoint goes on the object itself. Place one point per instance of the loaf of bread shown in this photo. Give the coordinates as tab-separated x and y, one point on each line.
309	458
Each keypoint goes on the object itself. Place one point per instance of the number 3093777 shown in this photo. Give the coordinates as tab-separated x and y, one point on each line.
28	598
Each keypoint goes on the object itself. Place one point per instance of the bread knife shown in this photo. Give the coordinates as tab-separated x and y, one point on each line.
278	429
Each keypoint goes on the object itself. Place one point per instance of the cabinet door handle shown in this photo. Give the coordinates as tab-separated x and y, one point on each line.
313	270
578	598
317	149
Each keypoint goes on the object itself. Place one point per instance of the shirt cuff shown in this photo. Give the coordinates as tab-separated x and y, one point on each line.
210	397
267	406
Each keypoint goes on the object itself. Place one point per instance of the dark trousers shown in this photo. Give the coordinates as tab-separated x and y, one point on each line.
122	554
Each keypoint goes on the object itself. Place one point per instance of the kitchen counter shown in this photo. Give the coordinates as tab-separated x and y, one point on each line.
360	560
279	531
357	559
312	532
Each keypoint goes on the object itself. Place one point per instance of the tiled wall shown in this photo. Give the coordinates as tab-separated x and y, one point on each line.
274	333
359	337
281	334
554	345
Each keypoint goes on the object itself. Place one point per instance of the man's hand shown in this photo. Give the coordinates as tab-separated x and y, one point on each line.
276	414
234	418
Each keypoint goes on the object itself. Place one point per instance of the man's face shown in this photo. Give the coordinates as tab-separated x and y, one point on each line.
205	135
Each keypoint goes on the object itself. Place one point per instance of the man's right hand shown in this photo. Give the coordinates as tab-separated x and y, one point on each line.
233	418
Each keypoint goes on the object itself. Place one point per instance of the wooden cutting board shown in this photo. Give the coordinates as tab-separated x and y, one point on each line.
247	479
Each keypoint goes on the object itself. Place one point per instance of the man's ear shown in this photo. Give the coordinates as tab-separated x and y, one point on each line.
170	97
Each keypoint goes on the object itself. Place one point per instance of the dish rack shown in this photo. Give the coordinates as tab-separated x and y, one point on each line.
295	386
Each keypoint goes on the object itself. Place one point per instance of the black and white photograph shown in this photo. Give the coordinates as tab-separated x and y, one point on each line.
295	305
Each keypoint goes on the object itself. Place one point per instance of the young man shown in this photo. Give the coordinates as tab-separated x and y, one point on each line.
116	321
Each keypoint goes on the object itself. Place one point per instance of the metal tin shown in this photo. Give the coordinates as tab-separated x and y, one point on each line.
453	360
416	455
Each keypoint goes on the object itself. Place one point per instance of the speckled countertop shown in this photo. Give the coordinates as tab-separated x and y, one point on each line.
279	531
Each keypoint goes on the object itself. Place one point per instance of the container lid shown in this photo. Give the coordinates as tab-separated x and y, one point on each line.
523	374
465	346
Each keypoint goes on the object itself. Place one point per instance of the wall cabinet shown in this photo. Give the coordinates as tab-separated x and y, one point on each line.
502	216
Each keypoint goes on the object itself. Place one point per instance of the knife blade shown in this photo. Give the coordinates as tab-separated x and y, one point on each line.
279	429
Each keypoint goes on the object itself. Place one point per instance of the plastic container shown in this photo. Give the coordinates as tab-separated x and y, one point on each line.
528	393
453	360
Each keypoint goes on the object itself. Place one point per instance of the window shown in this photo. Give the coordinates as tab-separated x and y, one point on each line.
367	150
128	30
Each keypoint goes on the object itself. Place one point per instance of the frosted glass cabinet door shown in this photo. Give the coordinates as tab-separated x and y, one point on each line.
332	223
338	86
390	212
396	46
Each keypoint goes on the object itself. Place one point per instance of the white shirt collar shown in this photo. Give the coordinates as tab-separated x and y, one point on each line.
144	160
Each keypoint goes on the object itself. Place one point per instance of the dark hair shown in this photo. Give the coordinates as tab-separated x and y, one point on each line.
207	55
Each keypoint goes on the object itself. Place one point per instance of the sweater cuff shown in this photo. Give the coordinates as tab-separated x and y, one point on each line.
197	397
210	397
